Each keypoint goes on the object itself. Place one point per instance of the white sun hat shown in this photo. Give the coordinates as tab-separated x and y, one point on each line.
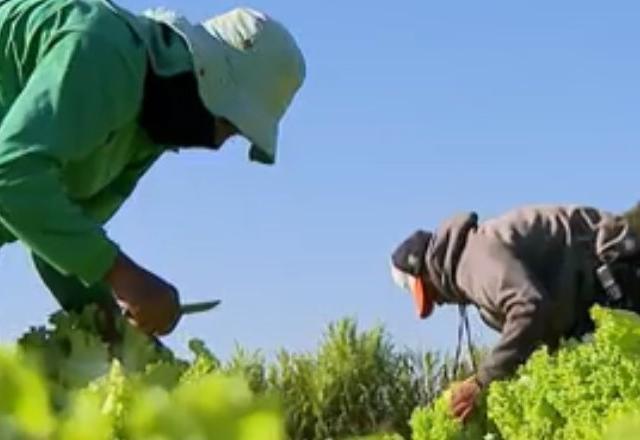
249	69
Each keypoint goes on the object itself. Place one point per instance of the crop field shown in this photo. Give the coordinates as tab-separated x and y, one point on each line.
61	381
394	162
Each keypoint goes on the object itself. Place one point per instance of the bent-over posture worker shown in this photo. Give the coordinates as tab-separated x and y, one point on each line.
91	96
533	273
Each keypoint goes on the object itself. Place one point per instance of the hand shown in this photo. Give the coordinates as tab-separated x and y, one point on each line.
150	303
464	398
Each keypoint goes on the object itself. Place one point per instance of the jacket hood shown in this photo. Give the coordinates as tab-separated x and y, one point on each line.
443	255
168	53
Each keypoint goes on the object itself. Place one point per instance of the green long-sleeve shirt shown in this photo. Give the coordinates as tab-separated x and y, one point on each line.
72	78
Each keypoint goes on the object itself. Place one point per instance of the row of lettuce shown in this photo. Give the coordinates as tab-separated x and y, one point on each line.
588	390
63	382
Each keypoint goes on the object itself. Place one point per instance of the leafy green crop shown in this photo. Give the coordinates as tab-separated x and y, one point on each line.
63	382
355	384
24	405
587	390
211	407
577	392
435	421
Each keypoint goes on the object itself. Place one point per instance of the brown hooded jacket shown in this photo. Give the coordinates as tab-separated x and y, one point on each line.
530	272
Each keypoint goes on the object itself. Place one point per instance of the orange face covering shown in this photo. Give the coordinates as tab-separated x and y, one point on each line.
423	298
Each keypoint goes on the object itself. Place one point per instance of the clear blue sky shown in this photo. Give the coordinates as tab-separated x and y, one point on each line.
413	110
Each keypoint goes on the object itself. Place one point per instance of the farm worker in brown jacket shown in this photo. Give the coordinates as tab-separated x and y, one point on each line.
533	274
91	96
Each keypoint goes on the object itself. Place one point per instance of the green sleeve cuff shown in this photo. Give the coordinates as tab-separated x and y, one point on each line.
98	263
70	293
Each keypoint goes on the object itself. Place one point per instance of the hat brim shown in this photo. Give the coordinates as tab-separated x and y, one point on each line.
423	299
254	124
223	97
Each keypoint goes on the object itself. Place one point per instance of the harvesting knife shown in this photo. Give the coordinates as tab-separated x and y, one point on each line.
198	307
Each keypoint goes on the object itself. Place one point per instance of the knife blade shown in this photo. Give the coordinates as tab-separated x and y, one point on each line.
199	307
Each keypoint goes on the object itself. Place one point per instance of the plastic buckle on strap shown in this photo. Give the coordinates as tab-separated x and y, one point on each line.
611	287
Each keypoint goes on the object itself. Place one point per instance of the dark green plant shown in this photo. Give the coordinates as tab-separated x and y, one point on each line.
354	384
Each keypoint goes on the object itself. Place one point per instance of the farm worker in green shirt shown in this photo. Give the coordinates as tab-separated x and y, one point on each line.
533	273
90	97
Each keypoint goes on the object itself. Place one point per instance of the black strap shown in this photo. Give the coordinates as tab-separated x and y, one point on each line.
442	376
470	347
463	325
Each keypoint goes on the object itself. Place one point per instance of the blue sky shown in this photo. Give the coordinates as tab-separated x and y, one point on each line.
412	111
